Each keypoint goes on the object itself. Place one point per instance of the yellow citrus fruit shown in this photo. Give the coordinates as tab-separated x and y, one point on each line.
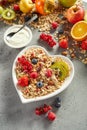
67	3
79	31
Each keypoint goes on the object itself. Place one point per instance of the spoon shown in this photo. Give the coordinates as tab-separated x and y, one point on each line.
27	21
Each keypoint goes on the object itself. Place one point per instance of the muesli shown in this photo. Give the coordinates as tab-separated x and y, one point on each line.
39	74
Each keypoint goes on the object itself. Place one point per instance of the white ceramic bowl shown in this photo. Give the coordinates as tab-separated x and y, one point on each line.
63	87
14	28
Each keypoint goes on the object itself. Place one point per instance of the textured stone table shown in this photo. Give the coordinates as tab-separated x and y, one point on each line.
17	116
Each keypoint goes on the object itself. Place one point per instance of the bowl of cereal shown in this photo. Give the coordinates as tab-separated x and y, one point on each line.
37	75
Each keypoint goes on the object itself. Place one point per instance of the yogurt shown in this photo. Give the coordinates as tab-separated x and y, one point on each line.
20	39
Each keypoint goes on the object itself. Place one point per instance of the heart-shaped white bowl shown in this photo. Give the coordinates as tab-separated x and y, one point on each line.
63	87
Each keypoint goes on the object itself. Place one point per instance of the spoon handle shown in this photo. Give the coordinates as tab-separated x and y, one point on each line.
28	22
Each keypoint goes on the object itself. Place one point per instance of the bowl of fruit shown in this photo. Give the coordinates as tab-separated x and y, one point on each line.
37	75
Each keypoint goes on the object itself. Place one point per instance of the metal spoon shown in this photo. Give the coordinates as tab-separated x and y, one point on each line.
27	21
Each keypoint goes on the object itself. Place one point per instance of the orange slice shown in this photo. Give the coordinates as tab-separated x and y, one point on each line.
79	31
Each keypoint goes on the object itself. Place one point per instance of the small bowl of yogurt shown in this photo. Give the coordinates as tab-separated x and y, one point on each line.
20	39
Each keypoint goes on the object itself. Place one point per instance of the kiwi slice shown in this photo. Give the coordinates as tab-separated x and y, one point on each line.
63	67
8	14
1	10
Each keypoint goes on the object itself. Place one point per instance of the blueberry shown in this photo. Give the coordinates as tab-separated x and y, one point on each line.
39	84
57	104
60	29
58	99
34	61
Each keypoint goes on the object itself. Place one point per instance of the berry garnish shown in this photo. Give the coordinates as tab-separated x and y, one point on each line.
16	7
33	75
48	39
60	29
63	43
43	109
26	65
51	116
23	81
40	84
57	102
48	73
54	25
84	45
34	61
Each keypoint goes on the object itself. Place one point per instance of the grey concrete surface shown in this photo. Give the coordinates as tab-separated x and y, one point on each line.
17	116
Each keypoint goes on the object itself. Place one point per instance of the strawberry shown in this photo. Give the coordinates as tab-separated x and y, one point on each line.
63	43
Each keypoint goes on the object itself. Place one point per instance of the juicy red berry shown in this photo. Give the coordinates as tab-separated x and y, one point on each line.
25	64
23	81
54	25
48	39
63	43
37	111
48	73
84	45
33	75
16	7
51	116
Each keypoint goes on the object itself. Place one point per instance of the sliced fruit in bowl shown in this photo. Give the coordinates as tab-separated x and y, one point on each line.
79	31
39	76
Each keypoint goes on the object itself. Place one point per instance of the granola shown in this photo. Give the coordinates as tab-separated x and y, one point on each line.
39	74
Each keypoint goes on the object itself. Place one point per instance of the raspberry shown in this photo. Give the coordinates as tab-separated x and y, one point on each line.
34	75
48	73
63	43
23	81
84	45
43	110
48	38
16	7
54	25
26	65
37	111
51	116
